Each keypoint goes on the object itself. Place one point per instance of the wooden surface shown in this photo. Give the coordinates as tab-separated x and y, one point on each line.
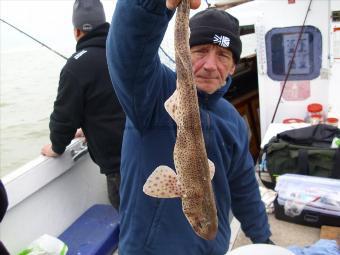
248	107
329	232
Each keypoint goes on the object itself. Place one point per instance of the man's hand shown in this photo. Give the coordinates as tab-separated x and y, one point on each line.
80	134
48	152
172	4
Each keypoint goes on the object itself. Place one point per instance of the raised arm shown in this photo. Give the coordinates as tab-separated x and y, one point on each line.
136	32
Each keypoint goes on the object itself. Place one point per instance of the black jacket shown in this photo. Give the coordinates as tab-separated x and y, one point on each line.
86	99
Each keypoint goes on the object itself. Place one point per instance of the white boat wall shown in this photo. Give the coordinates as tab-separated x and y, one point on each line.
324	86
47	195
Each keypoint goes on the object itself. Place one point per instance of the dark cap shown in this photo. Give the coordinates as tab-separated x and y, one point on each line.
216	27
88	14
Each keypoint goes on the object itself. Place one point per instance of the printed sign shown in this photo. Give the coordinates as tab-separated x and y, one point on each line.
301	62
296	90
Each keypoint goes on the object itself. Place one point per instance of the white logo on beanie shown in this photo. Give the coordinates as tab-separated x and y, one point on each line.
222	40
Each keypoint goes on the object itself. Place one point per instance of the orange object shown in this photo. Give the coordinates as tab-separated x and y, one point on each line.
332	121
314	108
315	114
292	120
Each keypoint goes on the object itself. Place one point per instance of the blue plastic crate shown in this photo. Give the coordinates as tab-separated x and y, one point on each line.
94	233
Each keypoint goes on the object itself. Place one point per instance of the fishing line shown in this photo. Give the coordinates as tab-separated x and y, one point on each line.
167	55
291	62
34	39
56	52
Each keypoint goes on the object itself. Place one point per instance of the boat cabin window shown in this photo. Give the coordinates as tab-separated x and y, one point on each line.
295	52
336	16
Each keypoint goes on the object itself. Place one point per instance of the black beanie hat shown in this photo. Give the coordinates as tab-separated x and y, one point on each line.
216	27
88	14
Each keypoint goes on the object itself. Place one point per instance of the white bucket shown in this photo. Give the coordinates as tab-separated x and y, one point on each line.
260	249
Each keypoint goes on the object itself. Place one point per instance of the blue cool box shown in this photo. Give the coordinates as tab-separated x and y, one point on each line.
94	233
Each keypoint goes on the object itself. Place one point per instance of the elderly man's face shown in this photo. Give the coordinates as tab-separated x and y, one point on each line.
212	65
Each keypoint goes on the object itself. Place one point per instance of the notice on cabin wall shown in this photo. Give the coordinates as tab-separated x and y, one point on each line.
296	90
336	43
301	63
291	1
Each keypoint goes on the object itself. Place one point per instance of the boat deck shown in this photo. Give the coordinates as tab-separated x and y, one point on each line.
284	234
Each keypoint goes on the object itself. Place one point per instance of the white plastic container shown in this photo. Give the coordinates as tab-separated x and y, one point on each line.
299	192
260	249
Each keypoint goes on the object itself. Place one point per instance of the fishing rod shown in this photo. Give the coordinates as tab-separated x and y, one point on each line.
167	55
56	52
41	43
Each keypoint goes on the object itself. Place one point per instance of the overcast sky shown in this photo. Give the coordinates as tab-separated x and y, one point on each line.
48	21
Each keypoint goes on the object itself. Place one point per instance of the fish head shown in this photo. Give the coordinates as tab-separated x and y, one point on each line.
202	223
205	228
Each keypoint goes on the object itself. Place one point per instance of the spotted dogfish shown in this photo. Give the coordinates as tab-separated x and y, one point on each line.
192	179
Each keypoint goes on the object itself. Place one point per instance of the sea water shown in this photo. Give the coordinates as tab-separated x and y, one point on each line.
29	81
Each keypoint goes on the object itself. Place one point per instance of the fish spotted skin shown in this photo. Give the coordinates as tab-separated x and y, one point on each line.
194	171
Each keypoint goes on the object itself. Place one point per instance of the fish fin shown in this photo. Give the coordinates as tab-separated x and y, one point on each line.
211	169
162	183
171	105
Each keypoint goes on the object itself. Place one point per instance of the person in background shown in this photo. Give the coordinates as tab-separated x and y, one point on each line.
154	226
86	98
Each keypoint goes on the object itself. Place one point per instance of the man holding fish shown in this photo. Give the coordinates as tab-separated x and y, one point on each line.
185	157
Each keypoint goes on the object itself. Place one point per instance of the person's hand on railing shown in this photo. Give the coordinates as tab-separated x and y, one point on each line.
80	134
48	151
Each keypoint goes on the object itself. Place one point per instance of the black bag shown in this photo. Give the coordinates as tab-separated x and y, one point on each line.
302	151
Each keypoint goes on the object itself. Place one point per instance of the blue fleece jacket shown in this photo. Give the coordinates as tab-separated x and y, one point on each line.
156	226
